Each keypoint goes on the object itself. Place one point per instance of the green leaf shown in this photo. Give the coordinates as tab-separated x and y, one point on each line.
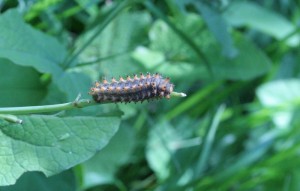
89	6
283	95
164	39
26	46
51	144
279	92
170	55
20	86
176	57
151	59
117	40
67	87
218	27
155	61
159	150
252	15
102	167
245	65
73	83
34	181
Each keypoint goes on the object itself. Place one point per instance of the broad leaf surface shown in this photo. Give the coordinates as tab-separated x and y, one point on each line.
159	150
73	83
118	39
20	86
25	46
102	167
283	94
51	144
252	15
245	65
168	146
218	28
35	181
176	57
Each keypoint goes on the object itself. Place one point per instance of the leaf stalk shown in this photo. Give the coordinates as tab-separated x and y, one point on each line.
77	103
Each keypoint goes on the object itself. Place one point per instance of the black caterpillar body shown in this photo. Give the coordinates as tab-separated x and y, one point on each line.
132	90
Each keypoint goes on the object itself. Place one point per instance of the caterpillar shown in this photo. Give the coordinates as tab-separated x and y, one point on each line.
132	89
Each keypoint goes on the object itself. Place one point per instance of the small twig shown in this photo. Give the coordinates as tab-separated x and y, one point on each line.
45	108
77	103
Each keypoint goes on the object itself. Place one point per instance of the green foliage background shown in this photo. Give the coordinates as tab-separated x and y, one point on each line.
238	62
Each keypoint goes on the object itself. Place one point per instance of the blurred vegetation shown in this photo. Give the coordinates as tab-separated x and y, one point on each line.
238	62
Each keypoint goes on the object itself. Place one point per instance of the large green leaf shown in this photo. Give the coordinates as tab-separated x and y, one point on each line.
68	86
218	28
244	65
168	53
249	14
102	167
35	181
73	83
118	39
160	150
164	39
172	55
19	85
282	96
26	46
51	144
167	148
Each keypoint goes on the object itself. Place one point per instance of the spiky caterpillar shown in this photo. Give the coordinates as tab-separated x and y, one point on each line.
132	90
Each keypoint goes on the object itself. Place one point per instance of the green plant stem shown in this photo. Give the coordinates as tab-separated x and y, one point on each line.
59	107
46	108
